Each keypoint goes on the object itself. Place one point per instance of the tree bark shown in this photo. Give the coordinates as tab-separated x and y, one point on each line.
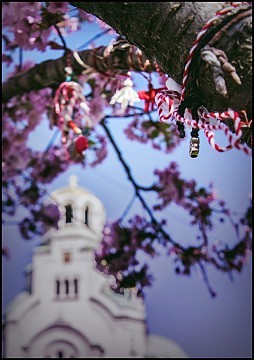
51	73
165	32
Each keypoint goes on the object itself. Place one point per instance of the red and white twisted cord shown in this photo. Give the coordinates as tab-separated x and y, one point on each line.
199	37
67	96
168	101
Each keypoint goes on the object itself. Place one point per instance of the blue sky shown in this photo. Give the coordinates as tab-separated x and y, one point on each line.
177	307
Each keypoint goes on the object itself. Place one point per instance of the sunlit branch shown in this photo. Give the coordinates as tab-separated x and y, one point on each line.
51	73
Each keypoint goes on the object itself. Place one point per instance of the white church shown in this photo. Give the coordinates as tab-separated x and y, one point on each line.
68	309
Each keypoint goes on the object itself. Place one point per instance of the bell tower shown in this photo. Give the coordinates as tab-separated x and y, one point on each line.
80	211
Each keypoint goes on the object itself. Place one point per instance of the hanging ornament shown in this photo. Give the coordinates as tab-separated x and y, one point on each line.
149	97
194	144
68	99
125	96
74	127
81	144
69	104
171	105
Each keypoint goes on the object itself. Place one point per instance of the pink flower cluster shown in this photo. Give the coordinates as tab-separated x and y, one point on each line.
172	187
20	116
46	166
118	252
28	25
199	202
24	22
99	151
39	222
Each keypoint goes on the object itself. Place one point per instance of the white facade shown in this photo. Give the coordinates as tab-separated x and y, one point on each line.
69	309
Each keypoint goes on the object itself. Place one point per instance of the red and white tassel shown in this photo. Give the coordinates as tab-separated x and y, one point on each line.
168	101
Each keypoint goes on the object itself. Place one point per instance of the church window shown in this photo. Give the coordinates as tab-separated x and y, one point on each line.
57	287
76	286
68	213
66	287
86	216
66	257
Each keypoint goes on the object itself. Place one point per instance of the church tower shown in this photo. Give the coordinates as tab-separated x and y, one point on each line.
69	309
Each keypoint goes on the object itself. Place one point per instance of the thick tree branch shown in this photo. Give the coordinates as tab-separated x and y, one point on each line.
51	73
166	31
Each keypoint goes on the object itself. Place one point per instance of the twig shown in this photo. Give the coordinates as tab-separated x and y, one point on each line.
127	208
93	39
137	188
61	37
205	277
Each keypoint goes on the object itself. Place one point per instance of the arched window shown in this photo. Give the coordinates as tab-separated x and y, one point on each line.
66	287
86	216
76	287
68	213
57	287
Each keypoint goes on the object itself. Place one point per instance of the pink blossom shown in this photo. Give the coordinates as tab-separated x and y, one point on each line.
100	151
50	215
24	23
40	221
14	13
54	162
58	7
97	107
105	26
68	24
84	16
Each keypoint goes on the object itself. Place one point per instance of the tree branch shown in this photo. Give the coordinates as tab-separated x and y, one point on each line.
137	188
166	31
61	37
51	73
